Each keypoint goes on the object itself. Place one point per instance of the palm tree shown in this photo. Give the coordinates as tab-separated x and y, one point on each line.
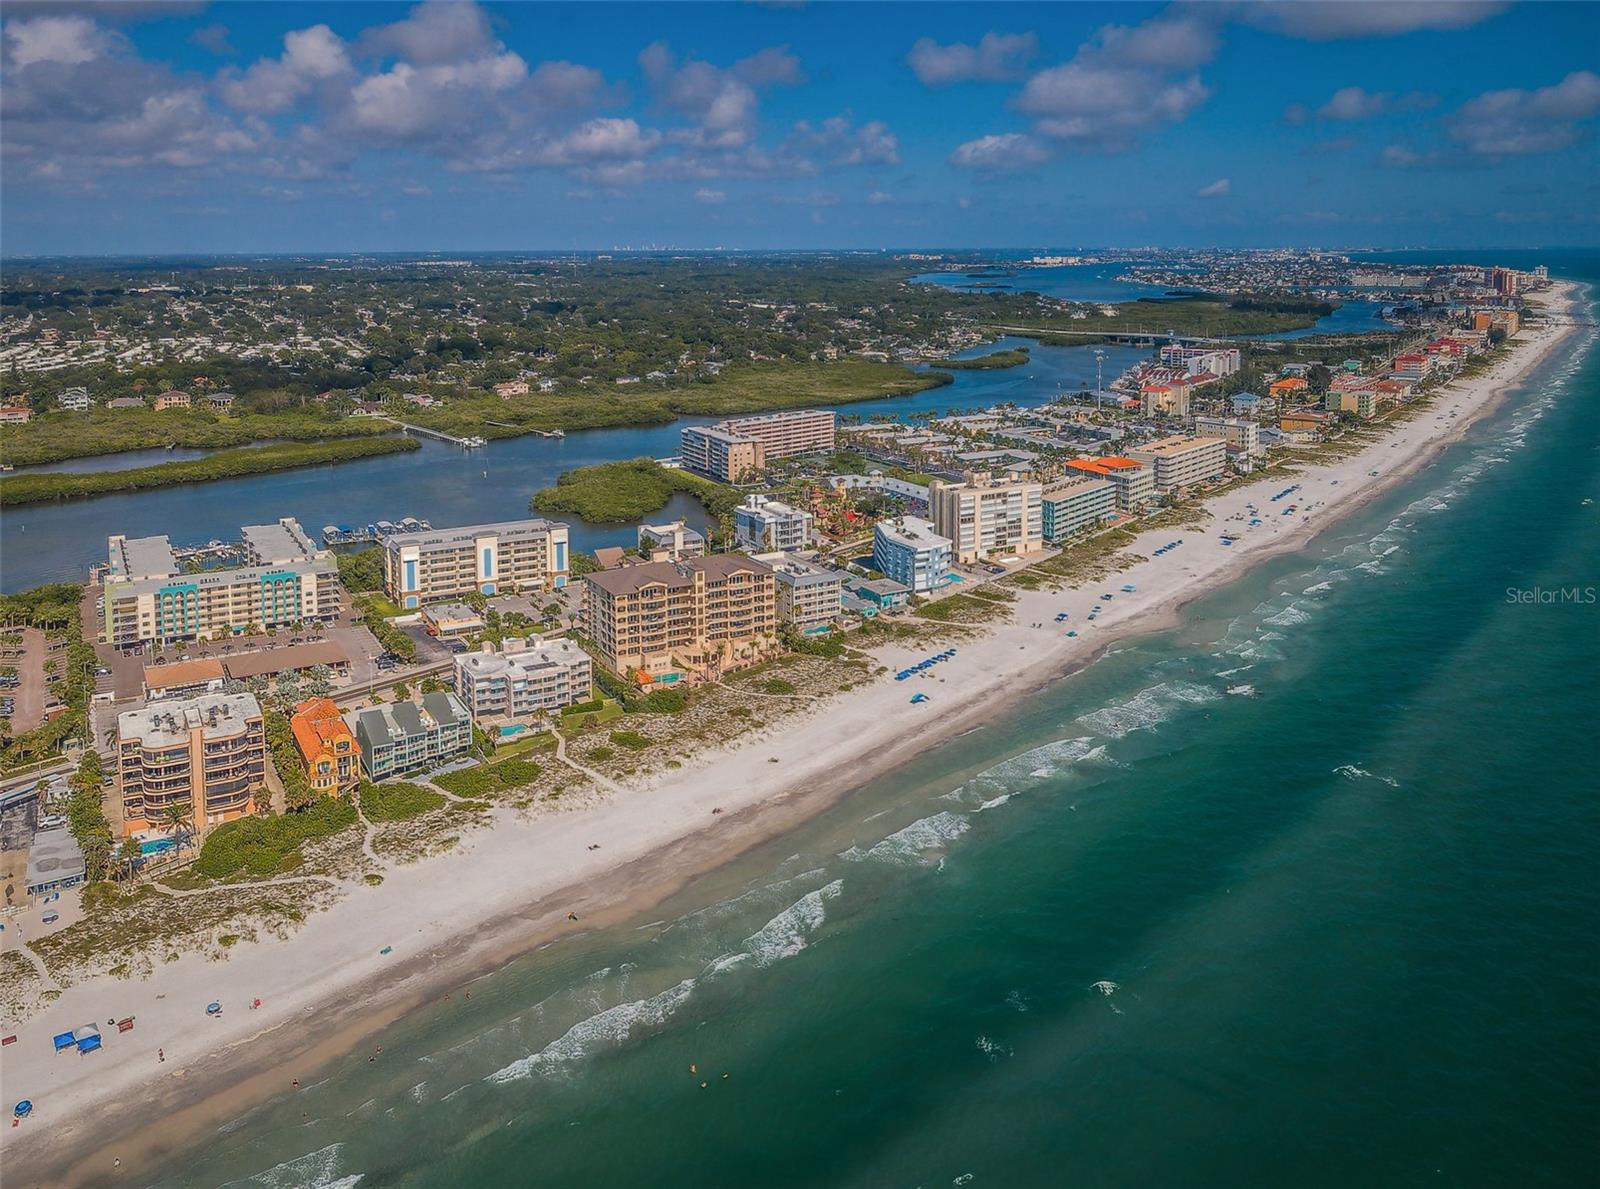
178	819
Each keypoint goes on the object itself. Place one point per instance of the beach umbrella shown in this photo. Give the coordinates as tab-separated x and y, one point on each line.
23	1109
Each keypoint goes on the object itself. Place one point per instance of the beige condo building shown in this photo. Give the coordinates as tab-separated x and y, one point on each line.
986	517
694	618
1180	462
209	753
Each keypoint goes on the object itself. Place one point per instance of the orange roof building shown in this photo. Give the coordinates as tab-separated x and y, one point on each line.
1287	386
329	749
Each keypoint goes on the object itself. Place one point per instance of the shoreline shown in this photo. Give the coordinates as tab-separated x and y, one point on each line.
498	911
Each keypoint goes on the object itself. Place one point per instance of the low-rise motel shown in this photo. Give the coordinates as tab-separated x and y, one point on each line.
1180	462
206	754
690	619
987	517
909	551
738	449
150	598
1135	482
439	564
1075	504
327	746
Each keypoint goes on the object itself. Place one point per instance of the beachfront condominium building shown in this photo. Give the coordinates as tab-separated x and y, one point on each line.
1236	432
908	550
513	555
522	680
1077	503
1181	462
761	524
720	454
1135	481
149	597
810	597
403	737
1202	361
986	517
696	617
208	754
738	448
1164	400
326	746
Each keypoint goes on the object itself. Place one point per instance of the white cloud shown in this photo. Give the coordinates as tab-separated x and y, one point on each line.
879	198
996	58
844	143
1126	81
310	56
1514	122
435	32
67	40
721	103
710	197
1333	20
1357	103
1217	189
1000	152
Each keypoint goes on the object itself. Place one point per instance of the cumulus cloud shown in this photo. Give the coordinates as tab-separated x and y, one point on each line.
1001	152
997	57
1515	122
63	40
1334	20
78	101
1357	103
843	143
310	56
710	197
1127	80
721	103
1217	189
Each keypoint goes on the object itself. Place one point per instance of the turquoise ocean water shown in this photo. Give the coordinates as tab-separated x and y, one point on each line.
1301	893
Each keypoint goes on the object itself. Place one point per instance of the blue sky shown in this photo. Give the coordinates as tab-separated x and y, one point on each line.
144	127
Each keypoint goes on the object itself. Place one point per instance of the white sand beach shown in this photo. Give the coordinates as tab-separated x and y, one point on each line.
511	887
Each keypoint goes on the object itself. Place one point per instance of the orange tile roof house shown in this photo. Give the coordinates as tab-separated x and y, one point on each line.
327	746
1287	386
173	399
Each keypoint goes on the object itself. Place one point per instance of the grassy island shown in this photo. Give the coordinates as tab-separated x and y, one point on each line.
225	464
1013	357
618	492
61	436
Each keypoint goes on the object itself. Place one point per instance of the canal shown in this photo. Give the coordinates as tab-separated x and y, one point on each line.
449	486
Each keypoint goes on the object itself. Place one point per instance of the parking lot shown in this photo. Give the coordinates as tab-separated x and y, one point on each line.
22	697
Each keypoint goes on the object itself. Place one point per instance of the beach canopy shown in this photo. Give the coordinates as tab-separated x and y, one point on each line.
64	1040
23	1108
89	1043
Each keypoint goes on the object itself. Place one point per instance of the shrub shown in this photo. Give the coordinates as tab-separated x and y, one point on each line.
266	844
489	778
777	685
632	740
398	801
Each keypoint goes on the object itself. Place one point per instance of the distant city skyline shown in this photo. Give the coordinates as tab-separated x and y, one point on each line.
149	128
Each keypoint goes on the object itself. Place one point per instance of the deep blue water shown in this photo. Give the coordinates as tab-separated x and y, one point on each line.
1300	893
